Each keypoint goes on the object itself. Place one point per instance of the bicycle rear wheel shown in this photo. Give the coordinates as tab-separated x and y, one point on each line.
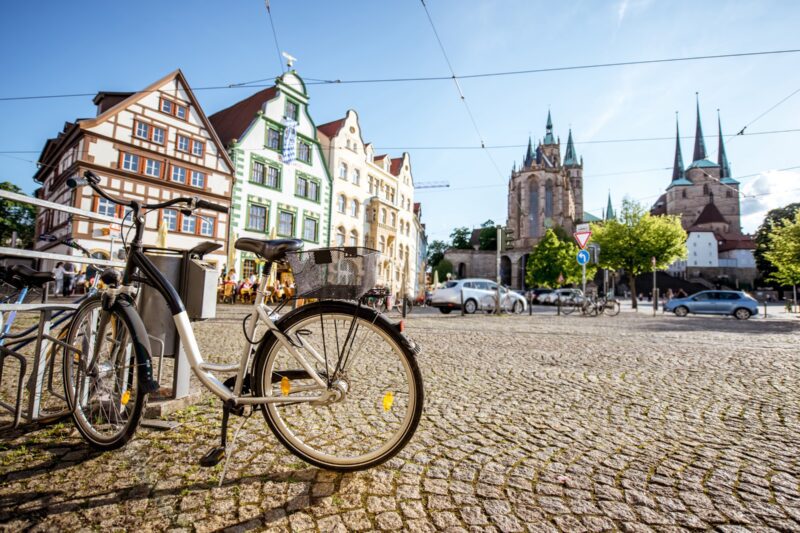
373	403
611	308
568	307
101	381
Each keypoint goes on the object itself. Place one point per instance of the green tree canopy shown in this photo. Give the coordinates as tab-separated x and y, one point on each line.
784	251
774	217
552	258
444	268
16	216
635	237
460	238
436	251
487	238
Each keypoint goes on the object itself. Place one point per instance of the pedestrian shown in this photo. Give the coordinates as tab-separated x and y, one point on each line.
69	276
58	273
669	294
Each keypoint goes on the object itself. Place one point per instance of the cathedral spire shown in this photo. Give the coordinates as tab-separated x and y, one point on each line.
677	167
699	143
570	158
528	161
609	214
548	138
724	167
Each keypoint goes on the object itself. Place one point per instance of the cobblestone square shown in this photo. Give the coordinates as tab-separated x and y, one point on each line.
531	423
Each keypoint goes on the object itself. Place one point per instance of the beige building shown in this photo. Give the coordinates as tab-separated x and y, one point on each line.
372	202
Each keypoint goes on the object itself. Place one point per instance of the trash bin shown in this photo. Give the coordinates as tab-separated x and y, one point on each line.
201	289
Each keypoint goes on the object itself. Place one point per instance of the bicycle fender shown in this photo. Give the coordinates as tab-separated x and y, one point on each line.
141	342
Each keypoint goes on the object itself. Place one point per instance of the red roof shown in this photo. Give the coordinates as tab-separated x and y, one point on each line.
331	129
231	122
660	207
397	164
737	242
380	157
710	215
416	207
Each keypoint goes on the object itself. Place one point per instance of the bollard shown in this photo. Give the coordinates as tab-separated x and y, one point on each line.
530	304
462	302
558	303
404	307
765	309
655	301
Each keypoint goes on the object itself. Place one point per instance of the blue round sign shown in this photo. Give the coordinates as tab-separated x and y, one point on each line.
583	257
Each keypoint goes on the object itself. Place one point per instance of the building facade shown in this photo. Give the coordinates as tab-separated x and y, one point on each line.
706	198
282	185
151	146
372	202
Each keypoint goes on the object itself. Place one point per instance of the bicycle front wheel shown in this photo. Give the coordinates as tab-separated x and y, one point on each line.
373	399
612	308
101	381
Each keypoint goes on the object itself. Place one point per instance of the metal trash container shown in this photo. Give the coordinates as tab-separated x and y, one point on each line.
153	307
201	289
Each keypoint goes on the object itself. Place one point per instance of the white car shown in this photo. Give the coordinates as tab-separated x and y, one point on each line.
565	295
478	294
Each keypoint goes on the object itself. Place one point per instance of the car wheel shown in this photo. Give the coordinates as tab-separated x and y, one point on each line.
518	307
470	306
681	310
742	313
445	310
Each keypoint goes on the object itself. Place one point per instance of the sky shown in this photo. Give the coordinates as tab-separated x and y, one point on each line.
55	47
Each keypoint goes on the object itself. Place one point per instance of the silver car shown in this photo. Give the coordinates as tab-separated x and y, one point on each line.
477	294
564	295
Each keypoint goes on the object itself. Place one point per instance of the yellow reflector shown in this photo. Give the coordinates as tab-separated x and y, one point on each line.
126	396
388	400
285	386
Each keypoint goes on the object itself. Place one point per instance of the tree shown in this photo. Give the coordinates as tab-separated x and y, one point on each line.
444	268
16	217
631	241
460	238
783	252
436	251
552	258
487	238
775	217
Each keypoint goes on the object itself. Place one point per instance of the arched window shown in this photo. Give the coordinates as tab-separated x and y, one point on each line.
354	208
353	238
548	199
705	189
382	244
356	176
340	203
394	220
343	170
533	210
383	216
683	193
340	236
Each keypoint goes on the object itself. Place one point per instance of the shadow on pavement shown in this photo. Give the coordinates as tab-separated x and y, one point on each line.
756	326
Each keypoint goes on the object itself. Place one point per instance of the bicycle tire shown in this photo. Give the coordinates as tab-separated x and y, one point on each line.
567	308
265	360
612	308
118	438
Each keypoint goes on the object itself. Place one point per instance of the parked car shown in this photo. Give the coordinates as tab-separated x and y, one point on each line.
478	294
536	294
565	295
735	303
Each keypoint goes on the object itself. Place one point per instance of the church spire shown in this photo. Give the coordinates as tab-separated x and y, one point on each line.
548	138
677	167
528	161
570	158
609	214
699	143
724	167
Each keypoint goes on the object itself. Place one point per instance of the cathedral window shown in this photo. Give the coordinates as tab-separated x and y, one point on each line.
705	190
548	199
533	210
683	193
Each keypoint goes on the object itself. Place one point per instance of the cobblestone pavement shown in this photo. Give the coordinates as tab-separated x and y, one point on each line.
544	423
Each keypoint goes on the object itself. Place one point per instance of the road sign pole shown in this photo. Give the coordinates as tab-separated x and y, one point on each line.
497	246
583	274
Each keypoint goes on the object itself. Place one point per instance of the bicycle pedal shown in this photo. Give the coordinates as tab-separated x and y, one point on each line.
213	457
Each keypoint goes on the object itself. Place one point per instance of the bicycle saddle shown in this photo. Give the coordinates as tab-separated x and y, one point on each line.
24	276
269	250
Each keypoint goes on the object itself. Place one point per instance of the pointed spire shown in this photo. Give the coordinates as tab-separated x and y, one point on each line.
609	209
529	154
548	137
677	167
724	167
570	158
699	143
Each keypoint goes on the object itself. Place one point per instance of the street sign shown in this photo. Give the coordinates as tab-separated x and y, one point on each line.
583	257
583	228
561	278
582	237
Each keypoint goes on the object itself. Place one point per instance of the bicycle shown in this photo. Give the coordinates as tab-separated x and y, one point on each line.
333	398
379	297
608	306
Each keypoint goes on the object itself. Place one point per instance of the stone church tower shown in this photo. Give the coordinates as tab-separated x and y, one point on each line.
545	192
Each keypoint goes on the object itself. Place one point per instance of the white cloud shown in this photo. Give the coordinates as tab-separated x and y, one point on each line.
771	189
626	6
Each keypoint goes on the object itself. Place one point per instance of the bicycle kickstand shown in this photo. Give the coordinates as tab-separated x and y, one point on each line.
217	453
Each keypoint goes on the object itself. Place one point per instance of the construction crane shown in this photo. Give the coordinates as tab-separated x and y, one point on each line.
432	185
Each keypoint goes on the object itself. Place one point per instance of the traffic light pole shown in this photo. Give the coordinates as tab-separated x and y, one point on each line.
498	246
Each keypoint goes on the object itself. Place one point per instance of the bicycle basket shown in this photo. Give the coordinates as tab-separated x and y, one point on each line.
335	273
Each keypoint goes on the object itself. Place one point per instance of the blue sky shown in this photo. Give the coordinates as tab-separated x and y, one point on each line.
76	47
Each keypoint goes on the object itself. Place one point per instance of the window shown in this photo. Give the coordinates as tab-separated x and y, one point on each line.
273	138
383	216
340	203
353	238
310	229
183	144
304	152
189	224
170	219
130	162
356	177
313	191
382	244
307	188
158	135
291	110
167	106
394	220
683	193
248	268
207	226
286	223
340	236
178	174
343	171
180	111
106	207
172	108
198	147
548	199
371	181
257	218
143	130
152	168
354	208
273	178
198	179
257	173
705	190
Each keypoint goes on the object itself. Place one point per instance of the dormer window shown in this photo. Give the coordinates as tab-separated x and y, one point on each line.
173	108
292	110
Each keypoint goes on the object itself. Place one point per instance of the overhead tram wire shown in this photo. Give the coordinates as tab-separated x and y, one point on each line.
275	37
320	81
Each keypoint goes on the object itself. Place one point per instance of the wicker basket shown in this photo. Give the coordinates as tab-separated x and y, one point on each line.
334	273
